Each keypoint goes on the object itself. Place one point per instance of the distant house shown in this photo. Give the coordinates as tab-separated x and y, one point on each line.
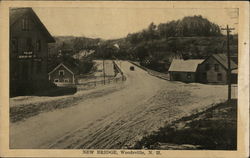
29	40
214	70
63	75
184	70
83	54
210	70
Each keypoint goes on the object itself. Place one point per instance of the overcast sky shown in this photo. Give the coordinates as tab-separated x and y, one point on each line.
110	23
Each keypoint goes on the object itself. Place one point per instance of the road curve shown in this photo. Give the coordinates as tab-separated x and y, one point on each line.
140	105
43	130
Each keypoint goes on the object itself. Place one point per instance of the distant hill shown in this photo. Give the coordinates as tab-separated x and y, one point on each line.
192	37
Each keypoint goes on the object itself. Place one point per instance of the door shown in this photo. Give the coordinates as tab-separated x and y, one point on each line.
204	77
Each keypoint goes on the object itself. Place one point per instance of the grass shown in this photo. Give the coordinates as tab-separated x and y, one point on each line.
213	129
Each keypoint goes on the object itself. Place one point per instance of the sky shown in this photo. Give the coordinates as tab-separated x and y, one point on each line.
112	23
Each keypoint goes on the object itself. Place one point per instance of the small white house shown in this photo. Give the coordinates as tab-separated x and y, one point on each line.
62	75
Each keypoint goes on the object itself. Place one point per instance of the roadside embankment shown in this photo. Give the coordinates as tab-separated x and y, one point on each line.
27	106
152	72
212	129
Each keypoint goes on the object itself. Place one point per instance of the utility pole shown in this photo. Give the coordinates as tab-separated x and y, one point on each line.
228	63
103	65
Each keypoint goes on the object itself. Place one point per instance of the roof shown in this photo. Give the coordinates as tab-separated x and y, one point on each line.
222	59
17	13
71	69
181	65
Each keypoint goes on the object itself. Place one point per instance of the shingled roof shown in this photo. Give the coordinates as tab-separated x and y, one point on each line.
17	13
222	59
181	65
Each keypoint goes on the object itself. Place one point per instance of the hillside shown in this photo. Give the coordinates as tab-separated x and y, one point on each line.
72	44
154	47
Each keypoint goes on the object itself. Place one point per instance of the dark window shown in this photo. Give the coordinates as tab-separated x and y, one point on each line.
25	24
38	45
188	75
61	72
14	44
207	67
219	77
216	67
29	44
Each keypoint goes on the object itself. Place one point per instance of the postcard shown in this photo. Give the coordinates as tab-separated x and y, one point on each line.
124	79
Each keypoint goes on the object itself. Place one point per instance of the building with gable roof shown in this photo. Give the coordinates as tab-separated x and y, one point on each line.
210	70
29	40
63	75
214	70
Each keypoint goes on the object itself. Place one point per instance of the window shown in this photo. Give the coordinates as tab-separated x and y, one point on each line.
14	44
61	72
56	80
219	77
25	24
38	45
66	80
207	66
216	67
188	75
29	44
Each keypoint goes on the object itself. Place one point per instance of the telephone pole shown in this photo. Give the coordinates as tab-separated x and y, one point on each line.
103	67
228	63
103	64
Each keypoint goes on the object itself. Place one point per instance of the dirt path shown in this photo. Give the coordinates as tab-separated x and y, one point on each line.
117	120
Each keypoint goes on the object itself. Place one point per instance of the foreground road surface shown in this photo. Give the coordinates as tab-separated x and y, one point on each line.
139	106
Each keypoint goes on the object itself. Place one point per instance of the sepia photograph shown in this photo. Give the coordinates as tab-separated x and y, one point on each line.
135	79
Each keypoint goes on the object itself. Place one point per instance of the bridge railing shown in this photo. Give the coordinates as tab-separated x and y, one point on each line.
152	72
98	83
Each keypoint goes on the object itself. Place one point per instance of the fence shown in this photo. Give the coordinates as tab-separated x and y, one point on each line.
118	68
94	84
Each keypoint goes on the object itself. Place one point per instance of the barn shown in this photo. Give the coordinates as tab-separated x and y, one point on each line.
63	75
29	40
184	70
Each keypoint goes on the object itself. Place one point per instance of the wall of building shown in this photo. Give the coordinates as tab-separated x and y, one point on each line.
67	75
211	73
34	34
183	76
36	68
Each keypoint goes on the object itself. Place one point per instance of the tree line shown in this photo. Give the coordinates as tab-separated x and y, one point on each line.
192	37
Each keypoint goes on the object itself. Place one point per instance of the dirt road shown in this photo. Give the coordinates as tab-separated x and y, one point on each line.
139	106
